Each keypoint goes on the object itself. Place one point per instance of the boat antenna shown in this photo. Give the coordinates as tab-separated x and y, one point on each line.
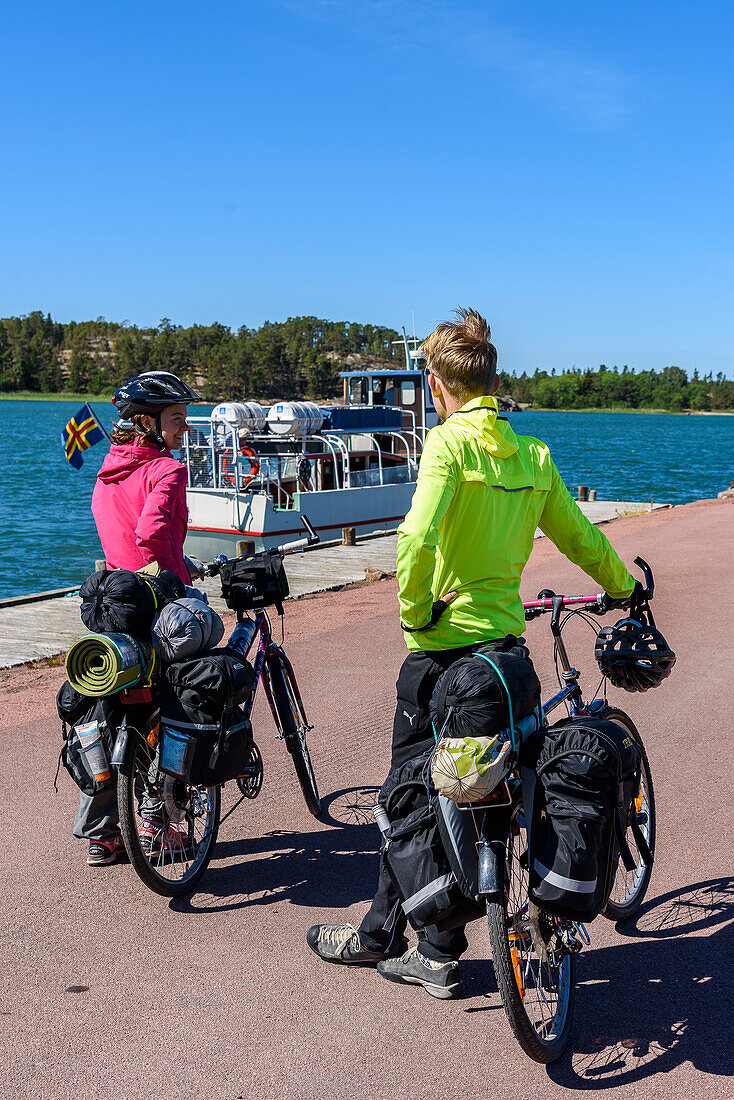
408	361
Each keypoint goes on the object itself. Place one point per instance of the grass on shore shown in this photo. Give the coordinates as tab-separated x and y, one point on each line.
29	395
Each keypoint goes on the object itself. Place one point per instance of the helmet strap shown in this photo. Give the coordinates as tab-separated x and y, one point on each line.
640	609
161	441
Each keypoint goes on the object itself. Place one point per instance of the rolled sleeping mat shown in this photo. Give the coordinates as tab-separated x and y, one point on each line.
103	664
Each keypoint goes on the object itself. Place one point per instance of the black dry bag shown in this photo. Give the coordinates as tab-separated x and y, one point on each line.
469	698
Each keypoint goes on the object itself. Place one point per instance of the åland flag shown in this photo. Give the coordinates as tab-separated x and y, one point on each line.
81	432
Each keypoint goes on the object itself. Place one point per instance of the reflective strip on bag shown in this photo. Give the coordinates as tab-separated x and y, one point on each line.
575	885
427	892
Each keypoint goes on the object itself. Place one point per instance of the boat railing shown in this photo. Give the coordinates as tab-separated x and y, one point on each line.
413	432
215	462
336	441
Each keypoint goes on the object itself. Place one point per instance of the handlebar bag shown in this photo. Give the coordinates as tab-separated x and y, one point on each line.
255	581
75	710
118	601
414	854
469	699
587	772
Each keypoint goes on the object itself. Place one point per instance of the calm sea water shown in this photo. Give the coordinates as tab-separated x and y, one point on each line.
48	538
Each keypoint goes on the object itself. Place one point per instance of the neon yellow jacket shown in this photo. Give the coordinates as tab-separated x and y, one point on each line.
482	491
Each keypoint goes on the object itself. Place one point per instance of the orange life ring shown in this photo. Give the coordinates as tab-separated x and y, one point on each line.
227	473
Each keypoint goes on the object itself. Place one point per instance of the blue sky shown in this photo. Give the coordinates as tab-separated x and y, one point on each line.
568	169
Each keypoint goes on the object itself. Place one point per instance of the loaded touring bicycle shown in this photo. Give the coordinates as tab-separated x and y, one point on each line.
545	826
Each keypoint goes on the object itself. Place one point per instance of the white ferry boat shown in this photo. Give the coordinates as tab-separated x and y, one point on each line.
253	469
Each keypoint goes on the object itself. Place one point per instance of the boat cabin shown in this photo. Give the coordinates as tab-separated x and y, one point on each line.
350	465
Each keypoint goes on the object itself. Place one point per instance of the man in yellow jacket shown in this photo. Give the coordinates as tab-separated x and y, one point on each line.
482	491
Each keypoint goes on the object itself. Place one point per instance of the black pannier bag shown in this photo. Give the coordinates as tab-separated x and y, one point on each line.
586	775
118	601
186	748
413	852
77	710
469	699
205	738
253	582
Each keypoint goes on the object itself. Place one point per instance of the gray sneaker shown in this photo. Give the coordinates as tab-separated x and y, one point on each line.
439	979
340	943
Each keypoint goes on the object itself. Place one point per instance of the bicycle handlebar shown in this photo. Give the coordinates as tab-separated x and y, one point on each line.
311	539
648	577
597	604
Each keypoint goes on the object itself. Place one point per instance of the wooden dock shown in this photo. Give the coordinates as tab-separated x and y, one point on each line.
46	624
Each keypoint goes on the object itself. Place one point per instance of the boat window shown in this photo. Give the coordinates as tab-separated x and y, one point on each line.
357	391
383	391
407	392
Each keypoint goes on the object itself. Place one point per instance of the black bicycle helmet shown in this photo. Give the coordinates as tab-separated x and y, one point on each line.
151	392
633	654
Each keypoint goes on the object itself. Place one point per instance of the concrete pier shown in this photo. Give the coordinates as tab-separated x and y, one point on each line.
114	993
31	631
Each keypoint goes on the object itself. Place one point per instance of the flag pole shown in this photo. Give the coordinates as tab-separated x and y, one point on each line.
97	421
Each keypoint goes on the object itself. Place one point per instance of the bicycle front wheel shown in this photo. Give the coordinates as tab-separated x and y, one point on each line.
169	827
535	978
629	887
294	733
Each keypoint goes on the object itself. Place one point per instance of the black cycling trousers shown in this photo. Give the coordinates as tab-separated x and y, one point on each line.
412	734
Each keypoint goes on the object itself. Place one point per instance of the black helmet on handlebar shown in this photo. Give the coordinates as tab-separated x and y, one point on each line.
152	392
633	654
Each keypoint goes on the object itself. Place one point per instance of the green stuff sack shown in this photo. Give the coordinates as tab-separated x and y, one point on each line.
104	664
467	769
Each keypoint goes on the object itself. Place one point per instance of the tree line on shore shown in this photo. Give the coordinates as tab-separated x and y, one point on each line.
670	389
300	357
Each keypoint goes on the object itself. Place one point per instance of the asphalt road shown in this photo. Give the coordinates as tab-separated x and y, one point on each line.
109	991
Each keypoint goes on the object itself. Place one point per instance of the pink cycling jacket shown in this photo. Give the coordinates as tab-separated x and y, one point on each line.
139	506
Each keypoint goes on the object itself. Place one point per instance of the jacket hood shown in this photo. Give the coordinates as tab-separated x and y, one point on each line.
124	458
479	419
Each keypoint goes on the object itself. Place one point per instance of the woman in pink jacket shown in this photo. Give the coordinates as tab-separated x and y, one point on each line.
139	506
139	501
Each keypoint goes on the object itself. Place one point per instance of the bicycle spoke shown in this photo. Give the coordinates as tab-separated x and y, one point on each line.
541	985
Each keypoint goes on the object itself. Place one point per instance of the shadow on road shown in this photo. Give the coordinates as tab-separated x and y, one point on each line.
660	999
332	867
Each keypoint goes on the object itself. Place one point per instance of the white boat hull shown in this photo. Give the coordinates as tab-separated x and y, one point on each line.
218	519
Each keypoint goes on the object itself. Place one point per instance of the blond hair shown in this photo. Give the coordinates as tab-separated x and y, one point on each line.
461	356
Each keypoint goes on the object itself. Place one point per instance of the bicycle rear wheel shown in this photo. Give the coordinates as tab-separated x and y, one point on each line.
169	827
629	887
294	733
535	978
